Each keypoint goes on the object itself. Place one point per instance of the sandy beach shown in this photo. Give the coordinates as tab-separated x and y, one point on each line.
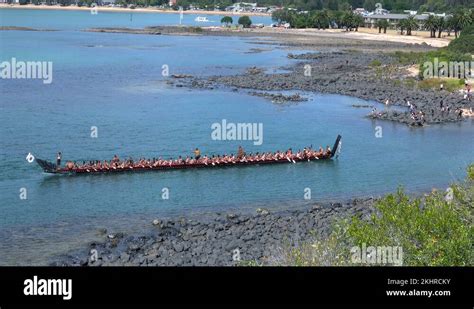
300	35
121	10
309	35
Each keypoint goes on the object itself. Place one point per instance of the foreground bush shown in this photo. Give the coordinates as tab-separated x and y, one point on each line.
434	231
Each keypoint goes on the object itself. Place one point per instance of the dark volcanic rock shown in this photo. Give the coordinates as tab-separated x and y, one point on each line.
219	240
352	74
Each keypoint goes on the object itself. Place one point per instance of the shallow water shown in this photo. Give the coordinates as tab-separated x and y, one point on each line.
79	20
114	82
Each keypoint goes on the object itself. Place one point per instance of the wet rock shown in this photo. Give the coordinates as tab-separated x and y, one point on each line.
262	211
212	241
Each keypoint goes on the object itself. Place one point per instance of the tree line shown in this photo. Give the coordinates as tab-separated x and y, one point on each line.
304	5
325	19
322	19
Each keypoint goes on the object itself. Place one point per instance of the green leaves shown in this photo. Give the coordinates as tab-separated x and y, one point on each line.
245	21
227	20
432	231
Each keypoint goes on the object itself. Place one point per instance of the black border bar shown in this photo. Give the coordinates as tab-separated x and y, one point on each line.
238	285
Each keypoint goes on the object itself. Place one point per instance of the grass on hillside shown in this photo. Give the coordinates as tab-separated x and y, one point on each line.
449	84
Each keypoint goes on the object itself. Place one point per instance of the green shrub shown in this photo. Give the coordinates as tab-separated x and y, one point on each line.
408	58
449	84
463	44
470	172
227	20
469	30
375	63
245	21
434	231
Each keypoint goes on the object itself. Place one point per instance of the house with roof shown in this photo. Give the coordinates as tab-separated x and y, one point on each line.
370	21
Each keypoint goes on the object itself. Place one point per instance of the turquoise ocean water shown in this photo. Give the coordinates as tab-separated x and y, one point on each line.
114	82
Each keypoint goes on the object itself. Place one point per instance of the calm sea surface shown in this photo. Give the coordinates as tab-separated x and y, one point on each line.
115	83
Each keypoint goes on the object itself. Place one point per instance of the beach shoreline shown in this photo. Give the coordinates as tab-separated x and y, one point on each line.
124	10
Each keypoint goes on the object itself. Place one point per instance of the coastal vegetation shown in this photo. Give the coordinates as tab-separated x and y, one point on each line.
227	20
347	19
459	50
465	42
244	21
449	84
436	230
302	5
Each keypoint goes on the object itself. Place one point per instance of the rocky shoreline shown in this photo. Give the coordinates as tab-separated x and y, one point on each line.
365	69
370	76
223	239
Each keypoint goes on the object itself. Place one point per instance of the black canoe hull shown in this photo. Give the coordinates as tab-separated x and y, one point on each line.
51	168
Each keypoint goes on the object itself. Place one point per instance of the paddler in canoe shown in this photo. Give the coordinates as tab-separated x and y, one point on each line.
240	153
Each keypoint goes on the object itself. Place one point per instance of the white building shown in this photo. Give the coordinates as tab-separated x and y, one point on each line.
241	7
393	19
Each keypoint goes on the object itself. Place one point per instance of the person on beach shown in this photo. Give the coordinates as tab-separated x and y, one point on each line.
197	154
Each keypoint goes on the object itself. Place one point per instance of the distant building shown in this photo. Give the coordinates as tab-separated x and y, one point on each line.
260	9
410	12
434	14
107	2
361	11
172	2
242	7
380	11
393	19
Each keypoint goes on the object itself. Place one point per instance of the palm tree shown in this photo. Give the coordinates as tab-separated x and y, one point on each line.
324	19
430	24
449	22
358	21
348	20
440	25
411	24
385	25
462	19
402	25
379	24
